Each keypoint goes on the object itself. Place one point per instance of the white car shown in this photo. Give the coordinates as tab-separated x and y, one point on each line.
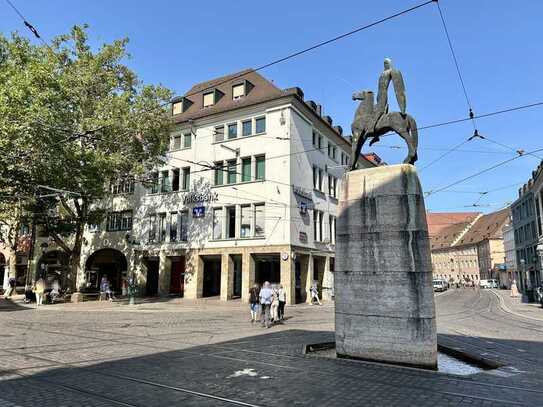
440	285
488	283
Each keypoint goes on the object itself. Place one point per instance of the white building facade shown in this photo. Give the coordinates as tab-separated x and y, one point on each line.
248	194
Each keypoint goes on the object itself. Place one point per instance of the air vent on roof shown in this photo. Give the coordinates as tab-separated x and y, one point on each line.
339	130
328	119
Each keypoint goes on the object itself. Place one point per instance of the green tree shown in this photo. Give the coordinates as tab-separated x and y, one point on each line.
74	119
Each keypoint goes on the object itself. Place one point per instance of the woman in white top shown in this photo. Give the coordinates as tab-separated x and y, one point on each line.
282	294
275	304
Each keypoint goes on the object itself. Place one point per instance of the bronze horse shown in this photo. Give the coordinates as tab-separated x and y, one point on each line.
366	126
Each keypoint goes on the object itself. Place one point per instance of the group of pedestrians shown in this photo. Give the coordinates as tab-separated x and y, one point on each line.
267	304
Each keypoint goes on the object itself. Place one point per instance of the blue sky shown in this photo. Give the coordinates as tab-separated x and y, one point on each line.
498	44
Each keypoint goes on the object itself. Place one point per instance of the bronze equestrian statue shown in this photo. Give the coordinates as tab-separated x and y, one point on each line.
372	121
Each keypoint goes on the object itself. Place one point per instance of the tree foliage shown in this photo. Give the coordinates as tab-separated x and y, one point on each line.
74	118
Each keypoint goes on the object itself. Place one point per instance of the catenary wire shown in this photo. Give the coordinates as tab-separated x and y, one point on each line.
435	191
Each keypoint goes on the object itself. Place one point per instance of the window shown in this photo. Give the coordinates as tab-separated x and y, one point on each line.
175	179
332	186
320	180
238	91
126	220
219	173
332	226
315	177
314	138
123	186
319	142
177	107
334	152
329	150
187	140
173	227
217	223
232	131
209	99
246	169
260	171
231	175
532	225
119	221
259	220
317	225
231	222
165	182
186	179
219	134
245	227
161	227
538	215
176	142
183	225
154	182
152	228
247	128
260	125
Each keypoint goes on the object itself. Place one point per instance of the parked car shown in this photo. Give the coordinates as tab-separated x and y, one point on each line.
488	283
440	285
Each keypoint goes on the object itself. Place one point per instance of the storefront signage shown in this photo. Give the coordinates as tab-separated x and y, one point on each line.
198	211
303	237
198	197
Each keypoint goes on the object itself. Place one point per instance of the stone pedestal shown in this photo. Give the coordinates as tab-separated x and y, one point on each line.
383	275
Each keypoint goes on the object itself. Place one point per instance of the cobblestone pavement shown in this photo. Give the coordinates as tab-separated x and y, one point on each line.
205	353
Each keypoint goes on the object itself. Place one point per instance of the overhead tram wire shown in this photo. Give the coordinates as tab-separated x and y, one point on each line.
501	163
472	116
32	29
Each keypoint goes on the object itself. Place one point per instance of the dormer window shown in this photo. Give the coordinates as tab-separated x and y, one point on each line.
209	99
180	105
241	89
238	91
177	108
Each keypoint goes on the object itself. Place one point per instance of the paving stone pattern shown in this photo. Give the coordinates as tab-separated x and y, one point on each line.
208	354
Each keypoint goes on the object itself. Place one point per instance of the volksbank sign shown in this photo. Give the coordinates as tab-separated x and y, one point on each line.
199	197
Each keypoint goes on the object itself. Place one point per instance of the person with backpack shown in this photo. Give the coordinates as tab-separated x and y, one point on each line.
254	300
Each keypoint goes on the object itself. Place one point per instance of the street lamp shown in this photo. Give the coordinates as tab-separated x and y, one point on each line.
132	280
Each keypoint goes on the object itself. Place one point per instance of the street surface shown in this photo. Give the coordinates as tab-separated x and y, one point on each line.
207	353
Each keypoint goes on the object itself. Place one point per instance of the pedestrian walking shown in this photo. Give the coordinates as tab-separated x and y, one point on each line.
39	290
265	296
104	287
315	294
274	308
11	288
282	301
254	300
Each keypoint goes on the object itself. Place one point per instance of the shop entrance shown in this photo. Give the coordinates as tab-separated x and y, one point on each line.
267	268
151	287
177	276
109	263
236	260
212	276
52	266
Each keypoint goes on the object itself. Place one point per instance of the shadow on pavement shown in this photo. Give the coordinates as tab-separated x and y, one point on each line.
261	370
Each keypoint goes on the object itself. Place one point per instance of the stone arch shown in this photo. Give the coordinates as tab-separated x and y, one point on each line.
108	262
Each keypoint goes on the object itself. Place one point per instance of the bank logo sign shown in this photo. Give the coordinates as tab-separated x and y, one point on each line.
198	197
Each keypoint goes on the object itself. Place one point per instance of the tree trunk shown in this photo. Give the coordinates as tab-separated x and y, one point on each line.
12	260
74	260
75	254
